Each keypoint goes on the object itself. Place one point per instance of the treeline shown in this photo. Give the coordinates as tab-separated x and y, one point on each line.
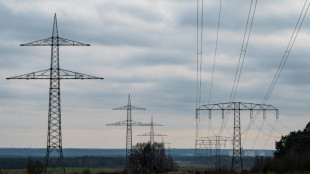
292	153
83	162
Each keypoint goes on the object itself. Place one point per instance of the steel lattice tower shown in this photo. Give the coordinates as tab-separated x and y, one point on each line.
128	123
237	107
54	155
217	141
152	134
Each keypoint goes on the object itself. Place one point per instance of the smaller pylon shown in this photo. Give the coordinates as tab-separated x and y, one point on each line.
152	134
128	123
169	148
214	143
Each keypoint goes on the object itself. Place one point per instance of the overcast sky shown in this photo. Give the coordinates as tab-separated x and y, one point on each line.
148	48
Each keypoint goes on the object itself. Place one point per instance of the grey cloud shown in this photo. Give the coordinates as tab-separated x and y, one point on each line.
172	45
234	17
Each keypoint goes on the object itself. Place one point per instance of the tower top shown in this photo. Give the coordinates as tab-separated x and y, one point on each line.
55	28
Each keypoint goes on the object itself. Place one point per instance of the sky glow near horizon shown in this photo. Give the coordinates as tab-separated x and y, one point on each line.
148	48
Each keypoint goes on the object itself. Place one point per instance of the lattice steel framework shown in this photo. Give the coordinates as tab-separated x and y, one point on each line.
237	107
217	142
54	154
128	123
204	149
152	134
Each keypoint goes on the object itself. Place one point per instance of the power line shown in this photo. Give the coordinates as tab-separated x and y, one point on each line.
245	42
197	56
272	129
284	58
305	136
215	50
288	50
199	61
285	126
201	36
258	133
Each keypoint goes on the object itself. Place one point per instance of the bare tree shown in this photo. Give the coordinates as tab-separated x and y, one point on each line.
34	167
148	158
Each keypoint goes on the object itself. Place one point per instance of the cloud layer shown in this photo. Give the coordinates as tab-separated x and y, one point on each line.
148	49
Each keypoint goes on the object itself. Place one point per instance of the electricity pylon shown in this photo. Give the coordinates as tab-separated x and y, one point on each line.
152	134
54	155
237	107
217	142
169	149
204	149
128	123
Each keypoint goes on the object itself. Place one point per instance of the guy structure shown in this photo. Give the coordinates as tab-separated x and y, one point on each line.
54	155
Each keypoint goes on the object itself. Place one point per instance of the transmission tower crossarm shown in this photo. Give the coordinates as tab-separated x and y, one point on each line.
124	123
66	74
60	42
155	124
243	106
218	138
45	74
68	42
137	108
120	123
121	108
129	107
148	134
41	42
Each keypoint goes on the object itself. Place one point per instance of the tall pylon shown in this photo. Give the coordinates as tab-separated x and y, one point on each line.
128	123
152	134
54	154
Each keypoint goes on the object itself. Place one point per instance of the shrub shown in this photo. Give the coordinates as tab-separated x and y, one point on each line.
149	158
86	171
34	167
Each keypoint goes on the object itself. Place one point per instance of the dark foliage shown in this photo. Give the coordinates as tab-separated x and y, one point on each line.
86	171
149	158
3	171
292	153
34	167
81	162
295	143
258	163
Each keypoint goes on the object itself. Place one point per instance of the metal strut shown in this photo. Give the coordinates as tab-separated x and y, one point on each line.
237	151
54	154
